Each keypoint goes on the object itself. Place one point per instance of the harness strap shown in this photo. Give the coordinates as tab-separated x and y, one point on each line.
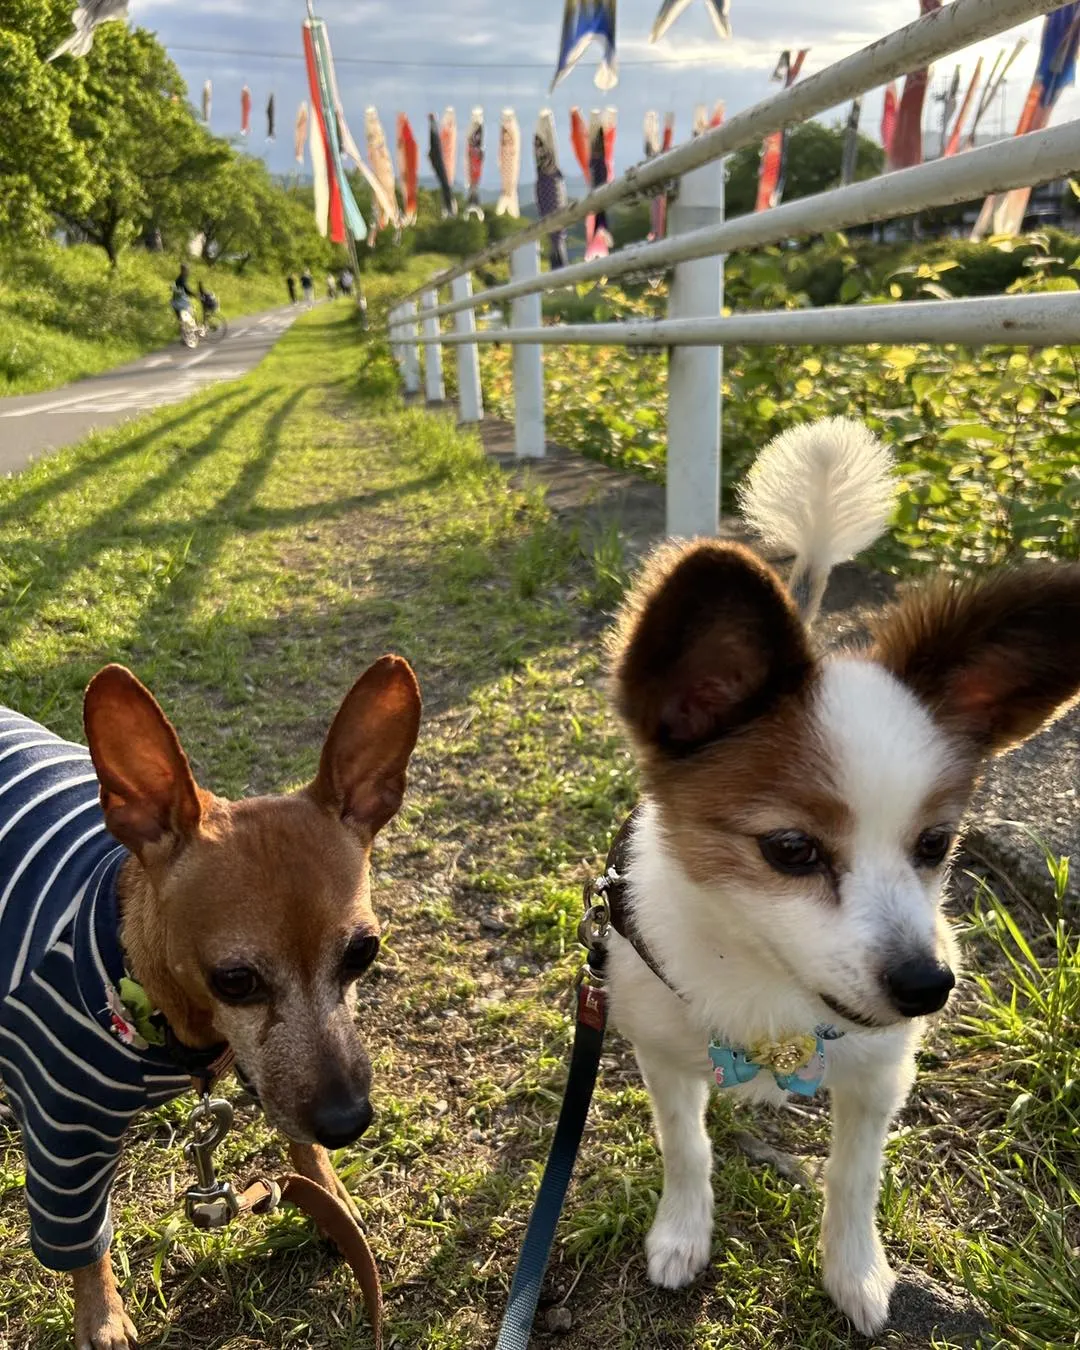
540	1234
205	1065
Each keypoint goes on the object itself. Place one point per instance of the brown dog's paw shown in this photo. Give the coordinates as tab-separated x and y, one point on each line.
114	1331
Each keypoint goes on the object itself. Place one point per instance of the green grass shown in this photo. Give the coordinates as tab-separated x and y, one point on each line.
64	314
248	553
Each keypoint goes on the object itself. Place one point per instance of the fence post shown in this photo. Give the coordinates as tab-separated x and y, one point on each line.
694	373
399	335
393	334
470	394
528	359
410	357
434	387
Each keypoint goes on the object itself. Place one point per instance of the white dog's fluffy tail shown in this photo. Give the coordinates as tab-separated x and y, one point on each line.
824	492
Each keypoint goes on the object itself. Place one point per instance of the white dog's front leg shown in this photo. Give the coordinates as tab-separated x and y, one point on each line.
680	1239
856	1273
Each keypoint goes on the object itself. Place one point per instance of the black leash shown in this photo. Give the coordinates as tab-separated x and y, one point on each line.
605	907
584	1063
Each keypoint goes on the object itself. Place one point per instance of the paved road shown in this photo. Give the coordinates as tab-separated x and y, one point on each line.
33	424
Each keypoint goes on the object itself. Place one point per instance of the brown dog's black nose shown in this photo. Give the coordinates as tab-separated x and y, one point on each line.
339	1119
920	986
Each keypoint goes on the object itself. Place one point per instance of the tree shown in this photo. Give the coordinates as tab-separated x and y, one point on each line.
108	145
814	155
247	217
42	163
235	215
149	156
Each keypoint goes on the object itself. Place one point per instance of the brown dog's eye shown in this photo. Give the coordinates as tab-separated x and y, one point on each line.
932	846
359	955
236	984
792	852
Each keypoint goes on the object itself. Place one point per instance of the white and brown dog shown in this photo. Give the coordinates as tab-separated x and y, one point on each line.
784	871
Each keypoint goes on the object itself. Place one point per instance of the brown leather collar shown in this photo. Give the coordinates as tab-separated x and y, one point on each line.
613	889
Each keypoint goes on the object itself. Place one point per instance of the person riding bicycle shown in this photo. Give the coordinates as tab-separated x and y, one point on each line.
182	294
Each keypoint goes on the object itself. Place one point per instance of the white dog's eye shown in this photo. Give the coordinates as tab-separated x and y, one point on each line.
792	852
932	846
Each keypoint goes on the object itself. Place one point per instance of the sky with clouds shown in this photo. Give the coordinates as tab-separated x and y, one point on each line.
418	56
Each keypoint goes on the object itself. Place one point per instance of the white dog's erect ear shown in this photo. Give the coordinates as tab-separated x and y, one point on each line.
707	641
993	660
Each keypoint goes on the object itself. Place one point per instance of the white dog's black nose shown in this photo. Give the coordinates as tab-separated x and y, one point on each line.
919	986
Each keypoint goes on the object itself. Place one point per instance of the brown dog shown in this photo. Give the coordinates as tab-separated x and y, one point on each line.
245	923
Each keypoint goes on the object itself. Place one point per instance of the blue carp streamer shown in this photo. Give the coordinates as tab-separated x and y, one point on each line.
584	20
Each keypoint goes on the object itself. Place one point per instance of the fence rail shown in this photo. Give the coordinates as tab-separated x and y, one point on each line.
1021	320
696	329
1038	158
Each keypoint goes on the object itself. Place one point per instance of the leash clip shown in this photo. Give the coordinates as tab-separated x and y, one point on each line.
593	930
209	1203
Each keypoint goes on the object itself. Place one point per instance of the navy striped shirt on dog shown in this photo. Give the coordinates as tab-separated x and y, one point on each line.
73	1084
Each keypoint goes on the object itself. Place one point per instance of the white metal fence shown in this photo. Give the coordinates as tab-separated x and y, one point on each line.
698	239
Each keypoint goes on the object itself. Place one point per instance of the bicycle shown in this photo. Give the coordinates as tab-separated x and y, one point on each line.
214	324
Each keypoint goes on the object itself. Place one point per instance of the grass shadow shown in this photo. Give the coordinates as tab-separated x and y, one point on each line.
51	479
41	570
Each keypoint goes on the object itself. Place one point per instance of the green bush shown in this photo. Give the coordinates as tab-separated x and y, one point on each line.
985	440
457	236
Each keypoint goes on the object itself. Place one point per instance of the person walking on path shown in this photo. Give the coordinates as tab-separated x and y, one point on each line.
307	285
346	282
331	287
290	281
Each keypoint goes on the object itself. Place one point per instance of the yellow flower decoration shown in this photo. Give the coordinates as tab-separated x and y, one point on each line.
784	1056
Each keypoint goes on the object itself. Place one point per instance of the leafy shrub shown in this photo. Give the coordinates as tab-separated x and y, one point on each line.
985	440
457	235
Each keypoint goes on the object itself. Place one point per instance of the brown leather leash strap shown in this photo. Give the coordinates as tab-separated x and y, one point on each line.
335	1220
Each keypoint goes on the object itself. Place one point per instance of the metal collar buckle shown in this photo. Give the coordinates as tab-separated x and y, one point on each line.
210	1202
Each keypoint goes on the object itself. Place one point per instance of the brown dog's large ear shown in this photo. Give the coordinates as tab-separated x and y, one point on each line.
707	641
147	788
993	660
362	770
